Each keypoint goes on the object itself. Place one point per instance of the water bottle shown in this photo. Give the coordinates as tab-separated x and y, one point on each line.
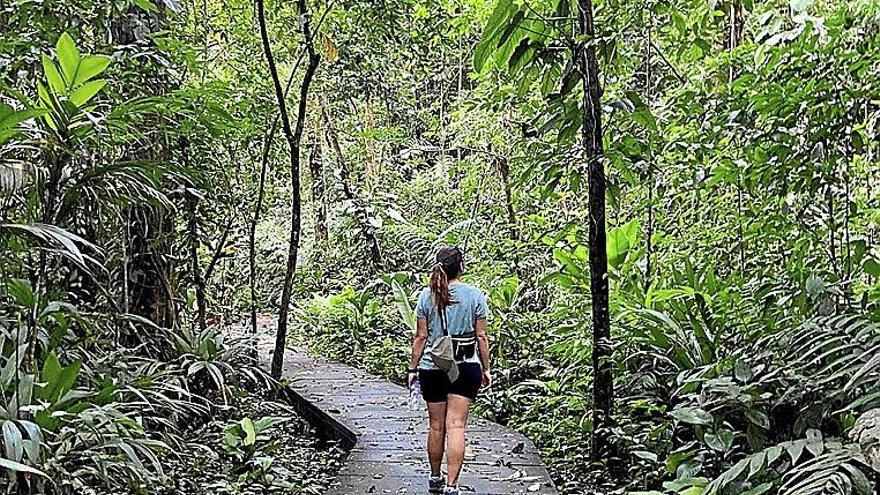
415	396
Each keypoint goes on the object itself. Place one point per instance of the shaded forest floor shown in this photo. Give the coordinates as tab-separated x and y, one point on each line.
283	455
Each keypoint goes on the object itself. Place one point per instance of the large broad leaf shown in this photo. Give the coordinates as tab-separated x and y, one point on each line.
620	241
89	67
250	433
12	441
68	57
872	267
720	441
641	113
19	467
498	22
35	439
21	292
146	5
86	92
58	379
692	415
10	119
56	82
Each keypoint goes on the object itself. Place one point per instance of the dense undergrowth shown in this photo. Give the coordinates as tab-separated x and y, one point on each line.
705	397
114	375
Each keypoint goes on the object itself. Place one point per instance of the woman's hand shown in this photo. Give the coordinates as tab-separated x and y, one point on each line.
410	378
487	379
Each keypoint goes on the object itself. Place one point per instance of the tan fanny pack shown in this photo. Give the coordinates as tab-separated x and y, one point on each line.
443	355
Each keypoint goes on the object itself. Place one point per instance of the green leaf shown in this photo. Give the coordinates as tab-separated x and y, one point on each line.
35	435
800	5
19	467
620	241
58	380
758	418
872	267
641	113
10	118
795	449
91	66
645	454
68	56
756	462
815	445
742	370
146	5
683	483
12	441
250	433
51	368
720	441
504	10
815	285
53	77
692	415
86	92
21	292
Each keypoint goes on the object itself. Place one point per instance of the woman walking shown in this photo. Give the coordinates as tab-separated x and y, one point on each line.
450	358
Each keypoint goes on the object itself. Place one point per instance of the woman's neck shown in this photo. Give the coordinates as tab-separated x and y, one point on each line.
455	281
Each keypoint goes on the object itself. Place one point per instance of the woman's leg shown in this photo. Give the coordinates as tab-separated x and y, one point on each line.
436	435
457	408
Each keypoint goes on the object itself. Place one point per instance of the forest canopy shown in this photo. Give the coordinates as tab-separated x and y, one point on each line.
673	206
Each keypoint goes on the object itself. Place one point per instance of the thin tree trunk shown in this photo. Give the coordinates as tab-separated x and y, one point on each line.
504	171
294	141
603	384
846	220
255	220
348	190
316	167
650	161
732	43
832	231
195	269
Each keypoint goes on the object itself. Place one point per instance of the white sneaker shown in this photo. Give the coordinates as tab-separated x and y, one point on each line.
451	490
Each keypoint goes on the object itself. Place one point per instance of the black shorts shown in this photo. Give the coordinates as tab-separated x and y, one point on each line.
436	386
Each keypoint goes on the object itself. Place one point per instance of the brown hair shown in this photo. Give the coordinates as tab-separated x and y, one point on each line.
447	267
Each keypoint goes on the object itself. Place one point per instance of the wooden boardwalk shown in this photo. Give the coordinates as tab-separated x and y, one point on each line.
369	415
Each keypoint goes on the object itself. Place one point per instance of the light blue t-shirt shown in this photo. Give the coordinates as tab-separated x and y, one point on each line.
468	306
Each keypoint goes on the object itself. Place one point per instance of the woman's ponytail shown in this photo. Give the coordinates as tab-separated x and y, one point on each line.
448	267
440	287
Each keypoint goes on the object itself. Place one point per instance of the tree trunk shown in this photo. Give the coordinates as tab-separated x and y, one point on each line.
255	220
349	194
151	264
316	167
591	131
195	268
294	141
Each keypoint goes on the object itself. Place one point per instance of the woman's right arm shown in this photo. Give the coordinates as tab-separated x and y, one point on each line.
418	348
483	346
